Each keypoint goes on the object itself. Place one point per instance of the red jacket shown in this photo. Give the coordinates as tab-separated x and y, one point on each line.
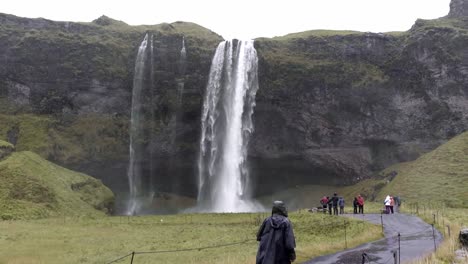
360	200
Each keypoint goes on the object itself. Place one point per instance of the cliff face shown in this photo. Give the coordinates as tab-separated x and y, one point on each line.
333	107
339	106
66	88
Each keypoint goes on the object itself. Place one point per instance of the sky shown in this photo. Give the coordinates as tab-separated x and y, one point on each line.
242	19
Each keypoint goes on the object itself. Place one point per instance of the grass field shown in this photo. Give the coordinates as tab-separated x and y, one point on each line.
103	239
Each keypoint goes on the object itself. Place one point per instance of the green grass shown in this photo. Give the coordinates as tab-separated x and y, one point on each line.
6	145
75	141
102	239
31	187
317	33
438	176
32	131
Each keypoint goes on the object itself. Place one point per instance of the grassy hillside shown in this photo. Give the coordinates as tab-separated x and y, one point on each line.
103	239
438	176
31	187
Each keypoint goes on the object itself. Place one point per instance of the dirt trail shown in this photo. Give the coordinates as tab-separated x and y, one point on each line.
416	240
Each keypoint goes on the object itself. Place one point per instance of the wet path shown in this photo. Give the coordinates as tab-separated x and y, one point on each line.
416	240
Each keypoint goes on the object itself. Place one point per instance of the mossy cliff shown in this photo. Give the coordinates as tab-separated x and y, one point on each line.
333	107
31	187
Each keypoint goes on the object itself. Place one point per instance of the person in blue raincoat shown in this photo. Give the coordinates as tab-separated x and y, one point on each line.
276	238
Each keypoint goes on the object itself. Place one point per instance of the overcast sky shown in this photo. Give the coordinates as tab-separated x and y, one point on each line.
243	19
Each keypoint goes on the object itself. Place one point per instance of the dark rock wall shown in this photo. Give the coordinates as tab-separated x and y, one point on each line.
339	107
332	108
79	77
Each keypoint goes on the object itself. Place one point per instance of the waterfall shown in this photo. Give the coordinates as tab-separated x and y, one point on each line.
151	146
137	137
226	126
181	81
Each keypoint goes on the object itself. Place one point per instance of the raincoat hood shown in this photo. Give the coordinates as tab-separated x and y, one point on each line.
277	221
279	209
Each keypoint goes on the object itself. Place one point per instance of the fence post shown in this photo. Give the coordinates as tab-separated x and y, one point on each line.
345	240
433	236
381	222
448	226
434	218
399	249
131	260
364	255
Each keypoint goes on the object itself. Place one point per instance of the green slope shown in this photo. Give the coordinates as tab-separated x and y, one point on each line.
31	187
438	176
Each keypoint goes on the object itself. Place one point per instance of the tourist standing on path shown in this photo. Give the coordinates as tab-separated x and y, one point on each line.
333	202
324	202
387	202
360	201
355	205
341	204
392	203
276	238
397	203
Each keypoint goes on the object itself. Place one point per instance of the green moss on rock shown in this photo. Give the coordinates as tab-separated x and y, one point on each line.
31	187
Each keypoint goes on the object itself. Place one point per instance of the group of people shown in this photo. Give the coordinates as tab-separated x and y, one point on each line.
336	202
391	203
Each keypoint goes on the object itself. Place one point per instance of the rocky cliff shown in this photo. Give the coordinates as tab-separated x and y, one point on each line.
347	104
333	107
65	92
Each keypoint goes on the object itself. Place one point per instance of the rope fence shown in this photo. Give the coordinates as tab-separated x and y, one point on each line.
132	254
340	223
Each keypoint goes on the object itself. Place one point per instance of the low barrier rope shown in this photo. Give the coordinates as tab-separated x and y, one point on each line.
119	259
181	250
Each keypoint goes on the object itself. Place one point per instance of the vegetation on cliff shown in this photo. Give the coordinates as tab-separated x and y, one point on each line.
440	176
31	187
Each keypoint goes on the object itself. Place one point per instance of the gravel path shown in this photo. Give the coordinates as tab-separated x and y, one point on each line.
416	240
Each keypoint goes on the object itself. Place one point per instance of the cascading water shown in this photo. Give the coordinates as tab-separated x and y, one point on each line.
181	81
134	172
151	146
226	126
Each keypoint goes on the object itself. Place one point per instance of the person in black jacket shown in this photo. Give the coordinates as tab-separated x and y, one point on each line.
333	202
355	205
276	238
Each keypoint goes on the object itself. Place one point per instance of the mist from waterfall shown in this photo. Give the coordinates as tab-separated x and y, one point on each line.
137	136
226	126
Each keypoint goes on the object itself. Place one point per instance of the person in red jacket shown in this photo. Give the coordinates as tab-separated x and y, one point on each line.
360	201
324	202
